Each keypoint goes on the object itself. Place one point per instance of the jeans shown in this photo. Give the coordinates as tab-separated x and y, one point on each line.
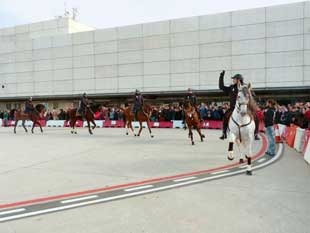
272	144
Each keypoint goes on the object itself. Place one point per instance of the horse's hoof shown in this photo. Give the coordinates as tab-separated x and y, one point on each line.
246	157
152	136
193	143
75	132
230	156
249	173
126	133
138	135
241	161
135	135
203	136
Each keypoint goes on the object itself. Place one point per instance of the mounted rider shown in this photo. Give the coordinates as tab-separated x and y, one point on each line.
82	105
29	107
232	92
191	98
138	102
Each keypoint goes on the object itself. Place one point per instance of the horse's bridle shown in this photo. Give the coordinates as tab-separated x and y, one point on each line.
239	106
238	125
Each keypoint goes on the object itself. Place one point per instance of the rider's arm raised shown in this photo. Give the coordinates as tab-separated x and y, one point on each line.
221	83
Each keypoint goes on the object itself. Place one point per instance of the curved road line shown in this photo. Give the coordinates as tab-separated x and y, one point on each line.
165	183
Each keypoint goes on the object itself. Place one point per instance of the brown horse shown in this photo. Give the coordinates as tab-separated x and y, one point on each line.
192	121
34	116
142	116
88	115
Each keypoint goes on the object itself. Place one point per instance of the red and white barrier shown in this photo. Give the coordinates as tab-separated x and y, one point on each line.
306	140
299	140
307	147
290	135
278	138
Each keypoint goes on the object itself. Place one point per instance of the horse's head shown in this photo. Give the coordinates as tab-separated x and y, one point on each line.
147	108
243	99
187	105
40	108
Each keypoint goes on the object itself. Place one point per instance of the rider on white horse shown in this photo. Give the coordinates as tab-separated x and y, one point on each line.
242	126
232	92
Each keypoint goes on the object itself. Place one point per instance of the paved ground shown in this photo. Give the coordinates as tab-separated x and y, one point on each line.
275	199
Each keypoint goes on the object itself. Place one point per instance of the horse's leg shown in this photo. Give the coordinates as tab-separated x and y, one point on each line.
232	139
39	123
240	147
140	130
126	127
89	129
73	126
15	126
191	134
33	125
23	124
249	167
148	126
94	124
248	156
200	134
131	128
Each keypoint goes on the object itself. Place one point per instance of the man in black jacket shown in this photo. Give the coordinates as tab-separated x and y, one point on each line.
269	116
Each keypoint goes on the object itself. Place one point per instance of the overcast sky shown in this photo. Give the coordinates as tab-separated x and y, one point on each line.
111	13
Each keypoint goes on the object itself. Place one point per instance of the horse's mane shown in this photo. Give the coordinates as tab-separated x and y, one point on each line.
252	103
187	104
39	107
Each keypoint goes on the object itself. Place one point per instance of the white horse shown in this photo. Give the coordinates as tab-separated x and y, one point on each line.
241	127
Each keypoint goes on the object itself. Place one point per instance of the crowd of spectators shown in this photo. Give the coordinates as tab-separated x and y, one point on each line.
298	114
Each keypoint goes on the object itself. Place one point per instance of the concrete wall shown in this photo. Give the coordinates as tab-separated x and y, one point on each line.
269	46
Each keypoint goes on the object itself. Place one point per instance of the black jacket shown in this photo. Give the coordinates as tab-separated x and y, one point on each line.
269	116
231	91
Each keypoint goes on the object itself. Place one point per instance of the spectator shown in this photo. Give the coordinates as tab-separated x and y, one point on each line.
5	118
269	116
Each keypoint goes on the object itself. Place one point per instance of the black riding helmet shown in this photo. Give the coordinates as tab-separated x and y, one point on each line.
238	77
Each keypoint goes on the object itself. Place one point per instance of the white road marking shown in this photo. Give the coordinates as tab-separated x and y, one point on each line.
219	172
79	199
261	160
243	166
102	200
12	211
138	188
184	179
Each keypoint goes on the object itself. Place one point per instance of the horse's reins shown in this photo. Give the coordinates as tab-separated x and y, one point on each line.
240	126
